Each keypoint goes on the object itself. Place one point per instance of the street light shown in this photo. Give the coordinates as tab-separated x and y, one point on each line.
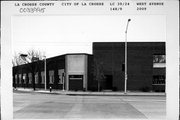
45	72
126	75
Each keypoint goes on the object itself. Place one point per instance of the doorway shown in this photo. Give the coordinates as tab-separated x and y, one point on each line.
108	79
75	82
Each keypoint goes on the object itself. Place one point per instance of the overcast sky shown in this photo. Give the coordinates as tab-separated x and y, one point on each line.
56	35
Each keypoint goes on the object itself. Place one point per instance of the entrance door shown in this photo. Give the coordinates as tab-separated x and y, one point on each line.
75	82
108	81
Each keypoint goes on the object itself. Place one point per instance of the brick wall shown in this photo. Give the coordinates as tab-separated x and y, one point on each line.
140	62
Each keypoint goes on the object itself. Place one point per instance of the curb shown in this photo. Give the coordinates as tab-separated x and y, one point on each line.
90	94
112	95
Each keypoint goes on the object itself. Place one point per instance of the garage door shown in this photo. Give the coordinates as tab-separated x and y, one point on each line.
75	82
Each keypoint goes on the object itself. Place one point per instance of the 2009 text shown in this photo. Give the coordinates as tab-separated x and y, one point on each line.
141	8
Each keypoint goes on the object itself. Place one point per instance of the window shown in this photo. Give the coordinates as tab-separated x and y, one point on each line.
24	79
51	76
19	78
159	58
159	80
30	77
61	76
16	78
43	77
36	78
60	79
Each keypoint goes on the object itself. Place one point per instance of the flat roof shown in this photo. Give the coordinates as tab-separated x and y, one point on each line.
69	54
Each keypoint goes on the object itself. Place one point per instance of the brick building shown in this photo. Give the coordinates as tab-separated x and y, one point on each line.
145	66
143	71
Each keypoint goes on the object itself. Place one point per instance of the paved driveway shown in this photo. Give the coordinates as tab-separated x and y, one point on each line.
47	106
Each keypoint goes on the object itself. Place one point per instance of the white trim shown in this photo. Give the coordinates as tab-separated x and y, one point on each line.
158	84
159	65
76	78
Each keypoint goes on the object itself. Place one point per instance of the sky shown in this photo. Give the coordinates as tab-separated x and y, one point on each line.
56	35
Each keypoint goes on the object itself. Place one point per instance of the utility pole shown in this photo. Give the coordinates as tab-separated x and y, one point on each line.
126	75
63	77
45	86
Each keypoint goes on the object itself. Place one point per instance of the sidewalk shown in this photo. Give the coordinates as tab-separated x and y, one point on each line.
89	93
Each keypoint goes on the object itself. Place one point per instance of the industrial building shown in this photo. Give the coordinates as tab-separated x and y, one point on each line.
103	69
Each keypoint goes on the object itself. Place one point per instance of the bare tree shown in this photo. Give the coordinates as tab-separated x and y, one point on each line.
17	60
31	59
31	56
98	72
